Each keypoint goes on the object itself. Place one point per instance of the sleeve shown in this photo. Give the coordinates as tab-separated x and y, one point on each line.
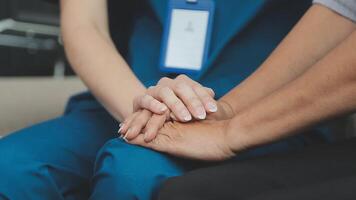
346	8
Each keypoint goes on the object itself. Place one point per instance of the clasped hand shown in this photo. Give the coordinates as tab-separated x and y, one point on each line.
168	118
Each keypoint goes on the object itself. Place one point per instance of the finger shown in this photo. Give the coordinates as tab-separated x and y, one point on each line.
207	99
165	81
191	100
155	123
140	141
203	93
149	103
125	125
156	144
168	97
137	124
210	91
173	117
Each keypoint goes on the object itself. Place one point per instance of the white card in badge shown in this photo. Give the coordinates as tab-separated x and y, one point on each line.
187	35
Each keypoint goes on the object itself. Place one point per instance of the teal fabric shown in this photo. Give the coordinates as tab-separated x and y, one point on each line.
77	156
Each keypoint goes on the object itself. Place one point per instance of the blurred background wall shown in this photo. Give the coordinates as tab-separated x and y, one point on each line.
35	78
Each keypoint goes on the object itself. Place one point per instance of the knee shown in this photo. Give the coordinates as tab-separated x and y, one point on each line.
131	171
12	171
123	160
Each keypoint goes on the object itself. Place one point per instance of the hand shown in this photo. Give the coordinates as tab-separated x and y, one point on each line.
185	98
143	122
204	140
150	123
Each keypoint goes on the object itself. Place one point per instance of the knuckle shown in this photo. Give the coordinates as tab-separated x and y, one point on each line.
151	89
177	105
163	81
194	101
164	91
153	104
198	88
182	77
146	98
181	86
207	98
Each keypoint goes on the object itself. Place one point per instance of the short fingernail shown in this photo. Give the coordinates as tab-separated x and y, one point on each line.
173	117
201	114
163	108
212	107
186	116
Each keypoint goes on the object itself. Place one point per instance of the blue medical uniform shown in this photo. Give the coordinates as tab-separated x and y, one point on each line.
77	156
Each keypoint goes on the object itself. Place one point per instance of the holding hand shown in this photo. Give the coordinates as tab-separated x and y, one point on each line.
206	140
180	99
185	98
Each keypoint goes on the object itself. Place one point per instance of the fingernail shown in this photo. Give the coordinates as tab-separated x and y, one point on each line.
121	124
201	113
163	108
202	116
120	129
186	116
121	136
212	107
173	117
124	138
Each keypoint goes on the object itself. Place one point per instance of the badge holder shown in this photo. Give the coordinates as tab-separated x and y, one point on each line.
187	35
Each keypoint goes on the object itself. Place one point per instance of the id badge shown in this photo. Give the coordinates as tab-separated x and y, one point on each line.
187	36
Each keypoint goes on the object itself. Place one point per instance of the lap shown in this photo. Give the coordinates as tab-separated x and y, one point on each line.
317	166
133	172
141	171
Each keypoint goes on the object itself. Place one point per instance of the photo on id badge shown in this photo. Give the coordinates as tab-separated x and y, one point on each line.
187	35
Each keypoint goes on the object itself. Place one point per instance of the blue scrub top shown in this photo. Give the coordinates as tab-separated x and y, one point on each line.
244	34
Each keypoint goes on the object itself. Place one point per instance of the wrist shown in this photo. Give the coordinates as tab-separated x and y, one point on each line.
225	111
237	135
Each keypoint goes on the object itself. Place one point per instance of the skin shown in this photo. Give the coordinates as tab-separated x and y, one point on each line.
108	76
317	82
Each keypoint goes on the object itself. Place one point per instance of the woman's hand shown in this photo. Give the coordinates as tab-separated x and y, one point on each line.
177	99
204	140
185	98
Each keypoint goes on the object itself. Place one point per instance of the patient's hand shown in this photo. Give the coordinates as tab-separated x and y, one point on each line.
148	124
203	140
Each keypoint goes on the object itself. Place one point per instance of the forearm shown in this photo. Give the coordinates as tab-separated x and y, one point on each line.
319	31
325	91
96	60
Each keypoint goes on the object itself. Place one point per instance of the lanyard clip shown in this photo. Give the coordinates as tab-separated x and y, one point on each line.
192	1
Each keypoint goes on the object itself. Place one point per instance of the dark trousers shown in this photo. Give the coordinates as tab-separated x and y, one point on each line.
319	173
